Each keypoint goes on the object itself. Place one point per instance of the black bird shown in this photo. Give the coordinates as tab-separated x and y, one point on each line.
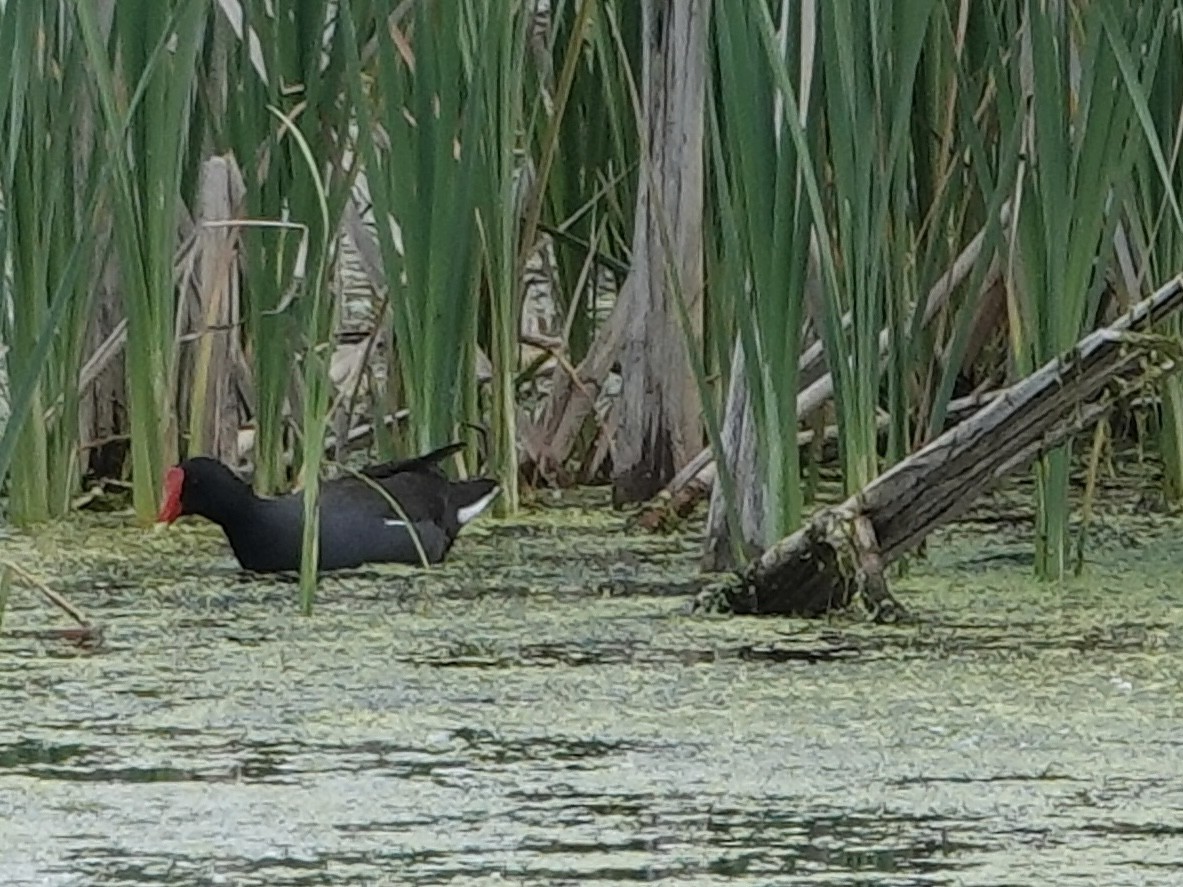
357	523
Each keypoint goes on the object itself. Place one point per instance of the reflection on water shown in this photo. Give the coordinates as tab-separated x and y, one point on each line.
542	711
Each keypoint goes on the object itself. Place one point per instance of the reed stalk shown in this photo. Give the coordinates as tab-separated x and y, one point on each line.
154	48
50	174
498	68
765	218
1077	118
1155	220
420	119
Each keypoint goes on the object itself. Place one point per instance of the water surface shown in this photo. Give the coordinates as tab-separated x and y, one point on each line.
544	710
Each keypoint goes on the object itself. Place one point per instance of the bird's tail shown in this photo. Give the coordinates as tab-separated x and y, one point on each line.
426	462
471	497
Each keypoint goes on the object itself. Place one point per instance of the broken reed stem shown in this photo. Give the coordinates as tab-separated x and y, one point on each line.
52	596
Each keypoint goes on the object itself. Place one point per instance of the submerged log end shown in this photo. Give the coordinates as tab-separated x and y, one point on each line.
822	568
804	579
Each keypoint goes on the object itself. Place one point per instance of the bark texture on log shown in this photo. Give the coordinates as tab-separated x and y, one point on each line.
573	399
739	449
823	565
659	410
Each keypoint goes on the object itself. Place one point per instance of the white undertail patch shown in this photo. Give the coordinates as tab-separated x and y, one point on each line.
468	512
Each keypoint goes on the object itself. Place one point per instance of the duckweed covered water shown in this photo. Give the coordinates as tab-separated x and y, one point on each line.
544	711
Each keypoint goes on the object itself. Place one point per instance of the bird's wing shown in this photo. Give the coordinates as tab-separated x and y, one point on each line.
420	495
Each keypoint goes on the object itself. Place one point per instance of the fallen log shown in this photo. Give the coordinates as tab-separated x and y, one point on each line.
841	554
666	509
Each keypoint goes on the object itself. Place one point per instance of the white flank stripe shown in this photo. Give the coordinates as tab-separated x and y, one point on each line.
470	511
392	522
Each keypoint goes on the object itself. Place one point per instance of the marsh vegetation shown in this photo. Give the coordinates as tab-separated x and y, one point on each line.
679	274
621	241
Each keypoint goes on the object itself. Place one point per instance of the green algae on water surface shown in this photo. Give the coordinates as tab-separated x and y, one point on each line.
542	709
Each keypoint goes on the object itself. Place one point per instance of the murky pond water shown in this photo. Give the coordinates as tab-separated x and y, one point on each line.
543	711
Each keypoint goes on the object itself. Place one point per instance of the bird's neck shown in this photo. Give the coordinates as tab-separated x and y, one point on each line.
237	507
265	533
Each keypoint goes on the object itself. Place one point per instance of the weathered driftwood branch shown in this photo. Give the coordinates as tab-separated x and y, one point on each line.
842	552
667	508
659	410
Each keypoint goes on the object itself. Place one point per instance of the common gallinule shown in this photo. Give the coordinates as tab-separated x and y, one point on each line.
357	523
